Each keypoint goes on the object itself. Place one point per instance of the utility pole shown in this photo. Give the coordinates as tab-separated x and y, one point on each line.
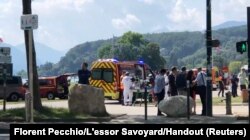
209	111
29	36
113	47
248	42
4	86
31	61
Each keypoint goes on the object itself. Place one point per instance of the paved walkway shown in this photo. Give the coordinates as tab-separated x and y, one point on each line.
195	119
135	114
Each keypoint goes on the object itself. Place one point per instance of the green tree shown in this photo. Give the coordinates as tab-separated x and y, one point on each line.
151	55
127	52
132	47
22	73
234	66
218	61
45	69
105	52
133	39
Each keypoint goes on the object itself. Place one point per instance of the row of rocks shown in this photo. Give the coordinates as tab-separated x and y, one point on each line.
88	100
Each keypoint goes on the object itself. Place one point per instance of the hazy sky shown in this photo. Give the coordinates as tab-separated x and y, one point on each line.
66	23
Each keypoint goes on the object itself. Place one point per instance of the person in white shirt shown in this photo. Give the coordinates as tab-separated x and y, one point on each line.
243	79
201	89
159	88
166	84
127	91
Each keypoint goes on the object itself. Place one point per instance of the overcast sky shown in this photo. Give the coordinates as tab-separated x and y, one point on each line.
66	23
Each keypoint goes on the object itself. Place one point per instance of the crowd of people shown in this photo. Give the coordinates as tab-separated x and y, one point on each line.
175	83
172	82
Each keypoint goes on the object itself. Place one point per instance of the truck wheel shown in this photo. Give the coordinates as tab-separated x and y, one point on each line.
50	96
13	97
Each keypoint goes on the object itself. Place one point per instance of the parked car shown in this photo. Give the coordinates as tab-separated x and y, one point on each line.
14	89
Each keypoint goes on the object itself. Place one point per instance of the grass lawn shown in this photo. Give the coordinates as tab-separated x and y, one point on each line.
42	99
46	114
221	101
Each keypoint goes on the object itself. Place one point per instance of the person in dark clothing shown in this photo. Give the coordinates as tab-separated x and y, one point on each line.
192	88
222	88
172	82
181	82
234	82
84	74
64	84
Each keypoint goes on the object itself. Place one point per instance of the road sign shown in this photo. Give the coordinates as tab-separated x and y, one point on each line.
6	69
29	22
5	59
4	50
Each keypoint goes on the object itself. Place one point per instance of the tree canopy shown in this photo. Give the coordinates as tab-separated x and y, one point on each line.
133	47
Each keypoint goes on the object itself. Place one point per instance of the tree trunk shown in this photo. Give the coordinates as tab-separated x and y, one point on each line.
36	95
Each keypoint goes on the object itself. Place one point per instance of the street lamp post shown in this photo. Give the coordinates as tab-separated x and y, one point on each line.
248	41
209	64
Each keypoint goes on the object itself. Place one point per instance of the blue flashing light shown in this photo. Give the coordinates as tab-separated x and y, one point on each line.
114	60
141	62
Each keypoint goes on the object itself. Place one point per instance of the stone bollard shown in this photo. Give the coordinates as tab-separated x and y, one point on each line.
244	94
228	103
28	99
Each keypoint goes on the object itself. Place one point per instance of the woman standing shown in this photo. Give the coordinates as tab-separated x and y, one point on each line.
191	78
243	79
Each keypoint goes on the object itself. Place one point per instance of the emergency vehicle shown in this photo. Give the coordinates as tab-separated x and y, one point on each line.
106	74
52	87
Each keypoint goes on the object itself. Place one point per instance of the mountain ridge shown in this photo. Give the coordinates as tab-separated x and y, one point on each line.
229	24
44	54
171	44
